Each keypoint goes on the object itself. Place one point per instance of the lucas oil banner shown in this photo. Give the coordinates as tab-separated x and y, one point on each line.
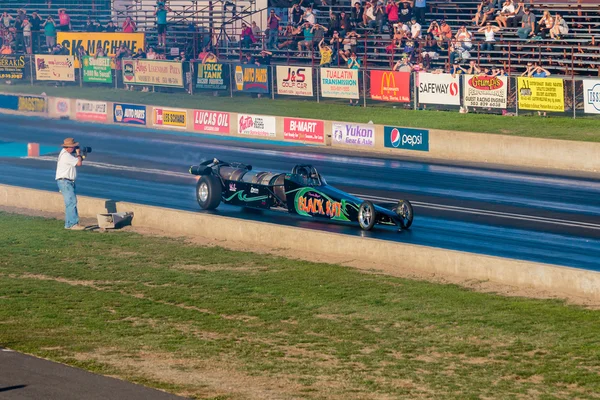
485	91
252	78
294	81
212	76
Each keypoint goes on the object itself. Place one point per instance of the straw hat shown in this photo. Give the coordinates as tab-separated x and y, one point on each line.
70	142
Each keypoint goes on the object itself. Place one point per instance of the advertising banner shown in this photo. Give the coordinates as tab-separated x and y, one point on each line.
95	111
12	67
438	89
54	68
339	83
61	107
406	138
591	96
212	121
9	102
32	103
153	73
212	76
304	130
256	125
353	134
294	81
91	41
390	86
129	114
97	70
170	117
252	78
541	94
485	91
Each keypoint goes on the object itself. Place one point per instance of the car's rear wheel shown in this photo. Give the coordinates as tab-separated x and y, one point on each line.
366	215
208	192
404	210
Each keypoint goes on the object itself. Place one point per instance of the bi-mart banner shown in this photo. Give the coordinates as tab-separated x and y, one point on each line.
541	94
295	81
390	86
97	69
54	68
13	67
110	42
339	83
485	91
153	73
252	78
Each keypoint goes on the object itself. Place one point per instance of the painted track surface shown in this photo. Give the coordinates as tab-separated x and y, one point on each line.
517	214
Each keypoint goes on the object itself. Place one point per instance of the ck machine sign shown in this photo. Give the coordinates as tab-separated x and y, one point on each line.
406	138
438	89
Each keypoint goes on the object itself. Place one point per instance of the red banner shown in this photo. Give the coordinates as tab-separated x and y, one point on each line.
390	86
212	121
304	130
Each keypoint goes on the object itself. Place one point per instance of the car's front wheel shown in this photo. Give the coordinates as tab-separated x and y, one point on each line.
208	192
404	211
366	215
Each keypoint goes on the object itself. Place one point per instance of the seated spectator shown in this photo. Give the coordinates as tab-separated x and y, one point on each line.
405	13
326	54
247	37
336	41
264	57
485	12
356	18
560	27
415	29
507	12
89	25
128	26
296	15
110	27
395	45
351	41
463	37
527	24
256	31
334	22
519	14
489	31
151	54
434	29
445	30
543	26
473	68
345	24
369	19
535	71
307	42
431	50
292	36
6	20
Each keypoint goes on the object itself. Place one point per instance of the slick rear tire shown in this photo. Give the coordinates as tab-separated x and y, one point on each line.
208	192
404	210
366	215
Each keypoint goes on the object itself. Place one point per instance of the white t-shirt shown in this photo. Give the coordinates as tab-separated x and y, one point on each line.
66	166
489	35
415	31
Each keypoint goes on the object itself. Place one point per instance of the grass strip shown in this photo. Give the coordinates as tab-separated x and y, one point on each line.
212	323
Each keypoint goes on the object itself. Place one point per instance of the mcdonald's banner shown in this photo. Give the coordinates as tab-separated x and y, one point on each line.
294	81
13	67
153	73
252	78
485	91
541	94
390	86
54	68
339	83
110	42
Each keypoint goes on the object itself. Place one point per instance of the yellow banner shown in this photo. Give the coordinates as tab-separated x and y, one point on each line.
54	68
541	94
153	73
170	117
110	42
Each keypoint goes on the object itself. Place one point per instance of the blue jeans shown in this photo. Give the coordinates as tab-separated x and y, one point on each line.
273	36
67	188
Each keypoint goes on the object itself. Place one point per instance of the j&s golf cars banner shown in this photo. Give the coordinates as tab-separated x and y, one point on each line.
339	83
294	81
54	68
252	78
541	94
438	89
153	73
390	86
485	91
110	42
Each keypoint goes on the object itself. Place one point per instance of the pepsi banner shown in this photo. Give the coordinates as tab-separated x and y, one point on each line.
438	88
294	81
129	114
252	78
406	138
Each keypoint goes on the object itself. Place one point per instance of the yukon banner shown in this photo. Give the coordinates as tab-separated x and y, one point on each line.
170	117
390	86
212	121
339	83
95	111
353	134
252	79
438	89
256	125
591	96
541	94
97	70
12	67
129	114
54	68
212	76
91	41
294	81
406	138
153	73
304	130
485	91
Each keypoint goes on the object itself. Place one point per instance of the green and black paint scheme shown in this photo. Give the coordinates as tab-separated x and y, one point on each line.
303	191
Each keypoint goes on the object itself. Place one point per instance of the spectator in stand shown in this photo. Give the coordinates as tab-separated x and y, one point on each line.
19	30
326	54
98	26
536	71
391	10
89	25
369	19
100	52
434	30
560	27
353	63
336	41
273	23
463	37
110	27
357	15
318	32
456	69
264	58
308	38
27	35
380	16
80	53
489	31
527	24
543	26
161	21
248	59
431	50
309	15
415	29
405	13
402	65
296	15
290	35
139	54
473	68
445	30
519	14
64	21
419	10
485	12
151	54
507	12
256	31
50	32
6	20
351	41
247	36
36	26
345	25
128	26
207	56
333	23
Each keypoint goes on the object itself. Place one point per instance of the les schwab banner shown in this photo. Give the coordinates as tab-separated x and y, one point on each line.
339	83
294	81
110	42
485	91
390	86
169	117
541	94
54	68
153	73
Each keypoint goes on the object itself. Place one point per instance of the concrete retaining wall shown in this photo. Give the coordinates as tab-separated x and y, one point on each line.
554	279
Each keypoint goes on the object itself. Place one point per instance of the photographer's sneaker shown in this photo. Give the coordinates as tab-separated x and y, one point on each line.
77	227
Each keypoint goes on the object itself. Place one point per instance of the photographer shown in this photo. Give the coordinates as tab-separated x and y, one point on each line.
66	174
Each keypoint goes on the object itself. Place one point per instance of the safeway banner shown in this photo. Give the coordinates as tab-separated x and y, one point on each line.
252	78
541	94
256	125
485	91
54	68
390	86
591	96
91	41
212	121
438	89
304	130
294	81
339	83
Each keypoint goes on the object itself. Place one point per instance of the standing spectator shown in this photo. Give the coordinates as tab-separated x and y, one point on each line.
27	35
318	32
351	41
391	10
273	24
161	21
560	27
519	14
380	16
50	32
98	26
6	20
527	24
64	21
508	12
128	25
309	15
419	9
489	32
353	63
326	54
99	52
405	13
247	36
19	30
289	34
336	41
139	54
89	25
151	54
308	38
36	26
296	15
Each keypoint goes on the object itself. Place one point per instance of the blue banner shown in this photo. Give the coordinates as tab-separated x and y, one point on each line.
129	114
406	138
252	78
9	102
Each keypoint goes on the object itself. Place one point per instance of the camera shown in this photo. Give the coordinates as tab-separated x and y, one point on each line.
84	150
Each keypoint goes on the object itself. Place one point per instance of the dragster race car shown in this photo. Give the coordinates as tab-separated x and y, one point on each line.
303	191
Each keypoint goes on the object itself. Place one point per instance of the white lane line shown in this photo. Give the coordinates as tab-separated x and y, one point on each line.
433	206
